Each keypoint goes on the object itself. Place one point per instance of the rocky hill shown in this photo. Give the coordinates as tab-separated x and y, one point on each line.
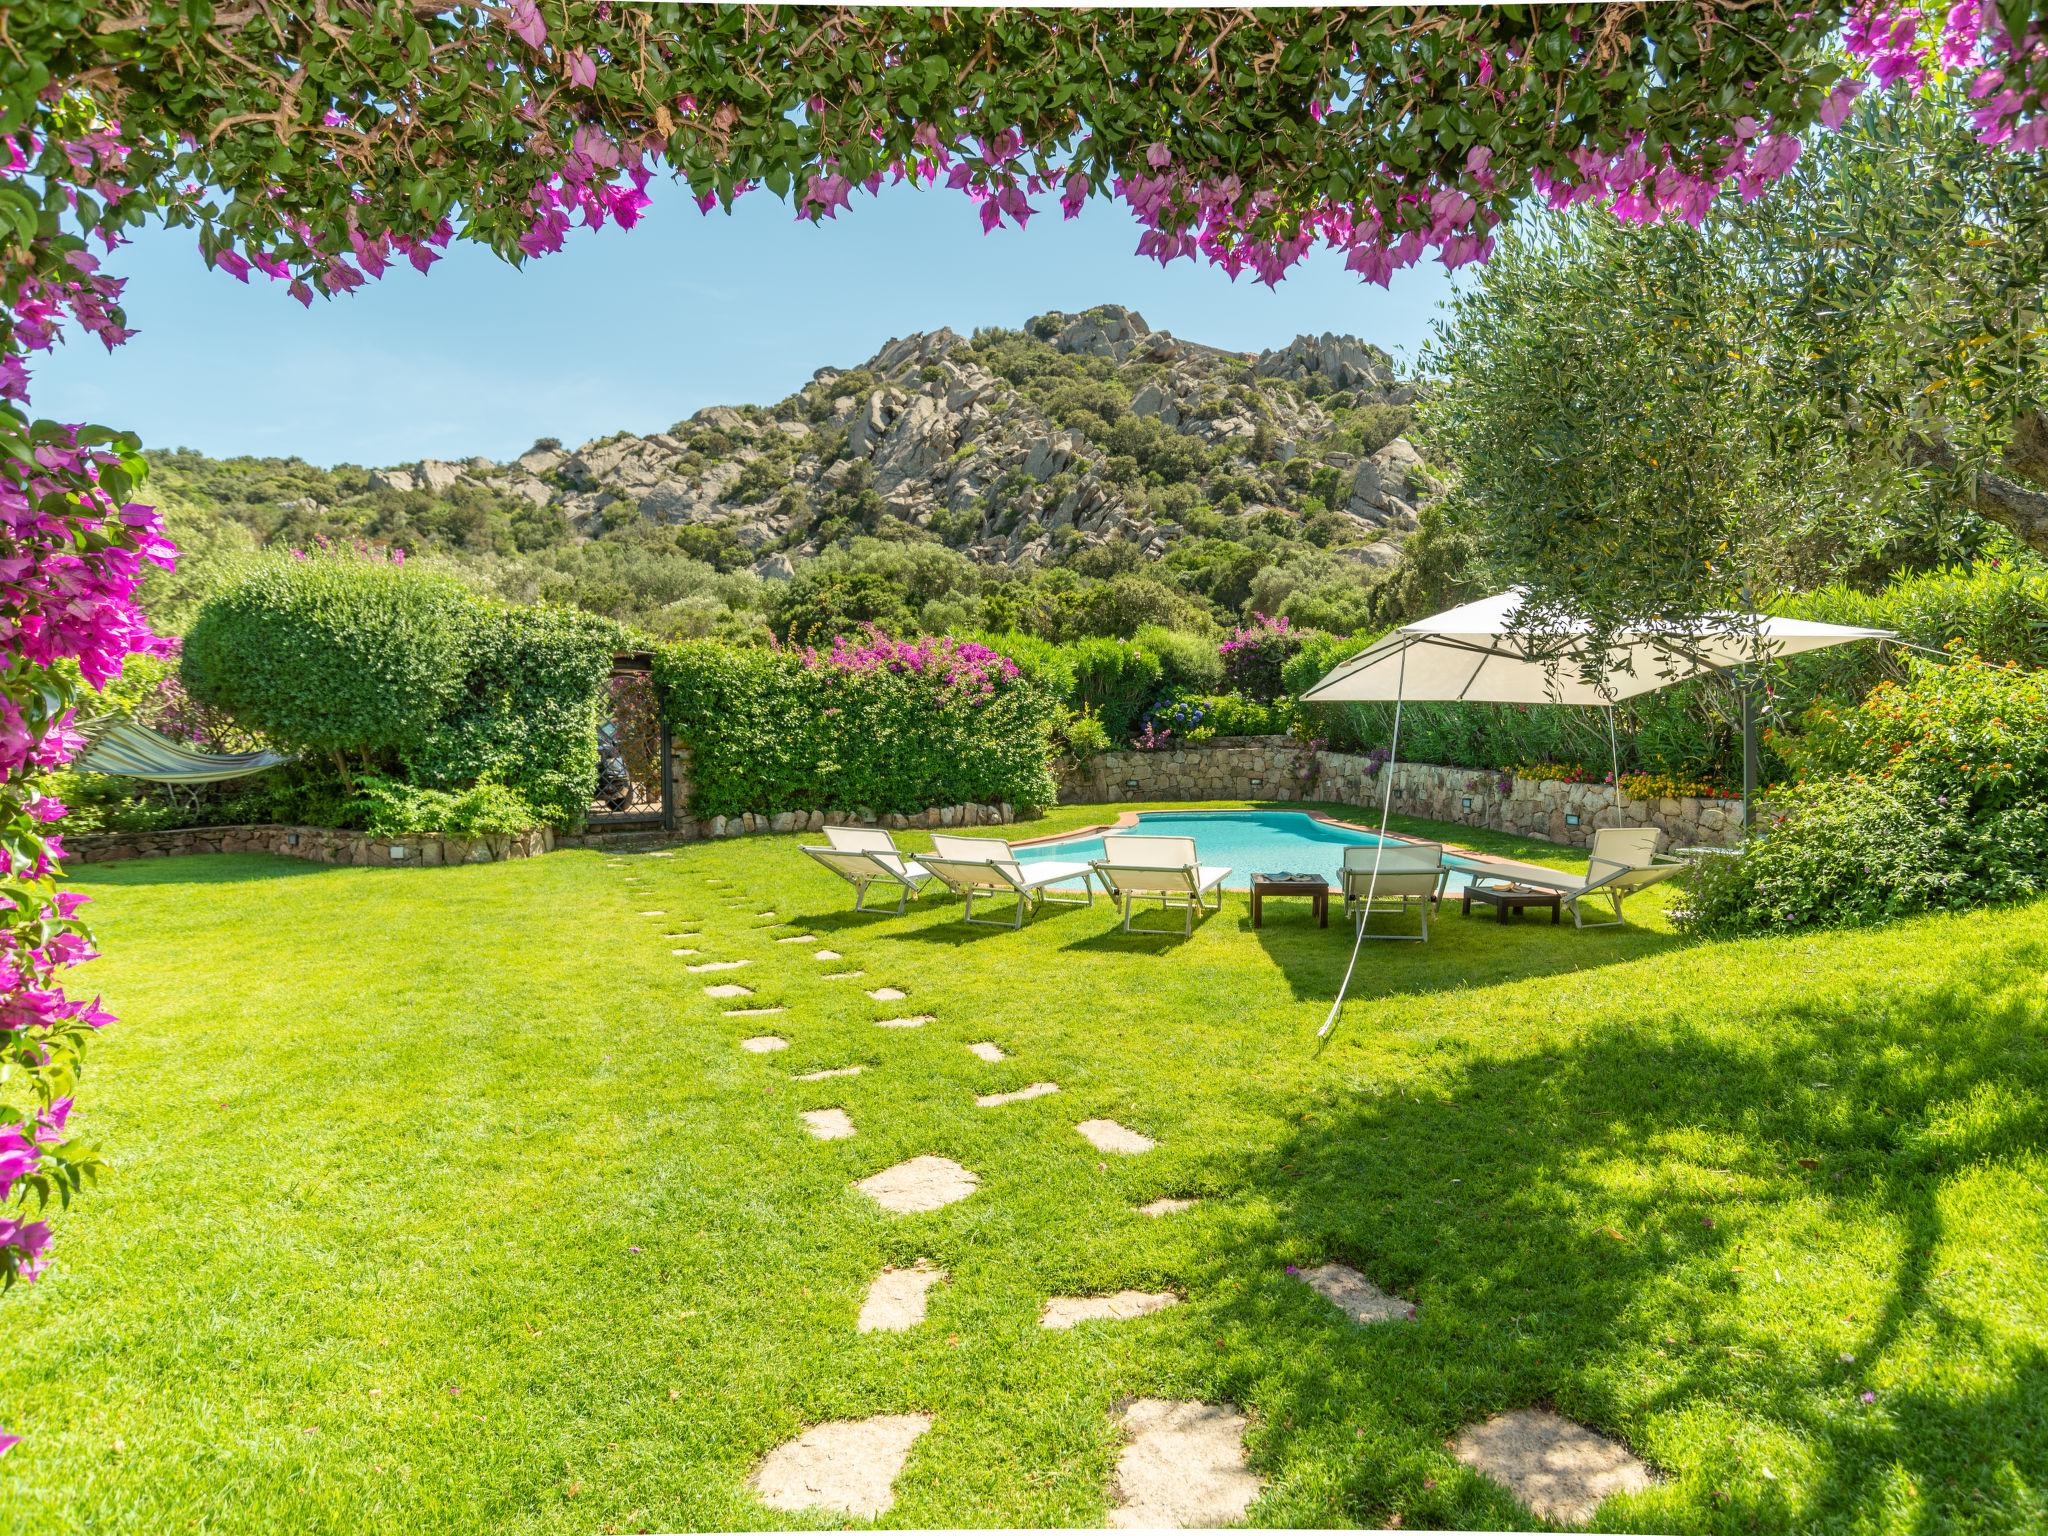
1017	448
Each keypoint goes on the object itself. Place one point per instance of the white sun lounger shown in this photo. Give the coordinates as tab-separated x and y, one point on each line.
868	856
1406	872
1622	861
988	866
1162	869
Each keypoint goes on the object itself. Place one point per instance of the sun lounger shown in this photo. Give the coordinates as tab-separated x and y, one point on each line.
1622	861
973	867
1162	869
1396	872
868	856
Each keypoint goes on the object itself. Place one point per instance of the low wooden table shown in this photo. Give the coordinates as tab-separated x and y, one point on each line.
1514	898
1316	890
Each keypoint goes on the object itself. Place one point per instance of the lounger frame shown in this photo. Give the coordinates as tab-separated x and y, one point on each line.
863	870
1407	872
969	876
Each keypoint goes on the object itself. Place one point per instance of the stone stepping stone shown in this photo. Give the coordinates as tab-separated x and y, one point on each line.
912	1021
1065	1311
826	954
728	989
888	994
764	914
718	965
896	1298
829	1124
924	1183
752	1013
1167	1205
686	952
761	1045
654	914
1355	1296
845	975
988	1050
848	1466
1183	1466
1108	1136
1035	1091
1560	1469
668	855
799	938
820	1076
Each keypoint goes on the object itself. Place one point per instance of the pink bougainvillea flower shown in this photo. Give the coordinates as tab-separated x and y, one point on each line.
581	68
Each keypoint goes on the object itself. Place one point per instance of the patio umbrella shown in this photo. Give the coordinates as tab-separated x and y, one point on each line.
1473	654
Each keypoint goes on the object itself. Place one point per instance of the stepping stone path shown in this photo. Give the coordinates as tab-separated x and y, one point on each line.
826	954
761	1045
1166	1206
718	965
1035	1091
729	989
829	1124
799	938
914	1021
1184	1466
686	952
654	914
1355	1296
819	1077
752	1013
845	975
764	914
1065	1311
848	1466
888	995
896	1300
1561	1470
922	1184
988	1050
1108	1136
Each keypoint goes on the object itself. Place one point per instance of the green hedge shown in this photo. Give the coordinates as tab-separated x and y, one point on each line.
406	673
772	731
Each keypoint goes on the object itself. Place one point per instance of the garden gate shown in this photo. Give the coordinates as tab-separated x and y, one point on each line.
634	754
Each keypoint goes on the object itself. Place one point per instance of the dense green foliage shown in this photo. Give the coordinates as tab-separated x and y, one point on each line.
1932	792
357	659
1841	380
402	672
771	730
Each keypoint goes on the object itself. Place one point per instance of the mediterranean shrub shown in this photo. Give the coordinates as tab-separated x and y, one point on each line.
1187	663
528	710
391	808
875	724
354	659
1256	655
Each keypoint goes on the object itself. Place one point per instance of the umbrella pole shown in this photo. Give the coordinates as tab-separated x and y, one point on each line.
1372	884
1749	754
1614	765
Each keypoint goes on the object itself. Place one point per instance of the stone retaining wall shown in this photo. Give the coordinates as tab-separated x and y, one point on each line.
323	845
1280	768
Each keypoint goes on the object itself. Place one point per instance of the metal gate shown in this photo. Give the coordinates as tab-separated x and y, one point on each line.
633	751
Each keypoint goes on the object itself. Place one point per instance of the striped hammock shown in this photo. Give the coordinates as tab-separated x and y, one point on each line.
137	752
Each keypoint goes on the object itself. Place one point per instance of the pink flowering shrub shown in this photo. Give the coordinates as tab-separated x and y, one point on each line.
1255	655
72	549
870	724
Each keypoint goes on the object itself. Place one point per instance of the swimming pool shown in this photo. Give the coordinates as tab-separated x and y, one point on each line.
1246	841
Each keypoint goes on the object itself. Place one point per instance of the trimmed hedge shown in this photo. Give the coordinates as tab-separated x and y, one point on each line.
406	673
772	731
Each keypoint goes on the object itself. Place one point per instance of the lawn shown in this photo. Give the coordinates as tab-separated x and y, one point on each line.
444	1201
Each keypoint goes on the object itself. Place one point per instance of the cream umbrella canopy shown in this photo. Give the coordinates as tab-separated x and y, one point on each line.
1474	654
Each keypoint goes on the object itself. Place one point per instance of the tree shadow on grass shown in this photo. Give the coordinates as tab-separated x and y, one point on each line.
199	869
1582	1225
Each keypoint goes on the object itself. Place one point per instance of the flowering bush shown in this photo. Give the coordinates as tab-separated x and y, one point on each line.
871	724
1255	655
72	548
1672	786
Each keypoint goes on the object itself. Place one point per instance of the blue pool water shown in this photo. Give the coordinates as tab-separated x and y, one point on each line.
1246	841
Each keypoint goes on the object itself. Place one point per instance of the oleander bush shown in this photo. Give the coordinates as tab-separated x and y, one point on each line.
872	724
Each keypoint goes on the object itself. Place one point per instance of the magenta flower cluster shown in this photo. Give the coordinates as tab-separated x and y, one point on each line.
1262	630
964	670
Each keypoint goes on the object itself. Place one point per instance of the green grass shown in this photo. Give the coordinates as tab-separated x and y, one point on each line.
386	1141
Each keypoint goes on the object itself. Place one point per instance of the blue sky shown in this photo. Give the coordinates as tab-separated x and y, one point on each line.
637	330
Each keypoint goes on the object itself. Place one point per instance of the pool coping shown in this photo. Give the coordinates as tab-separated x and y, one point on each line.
1128	819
